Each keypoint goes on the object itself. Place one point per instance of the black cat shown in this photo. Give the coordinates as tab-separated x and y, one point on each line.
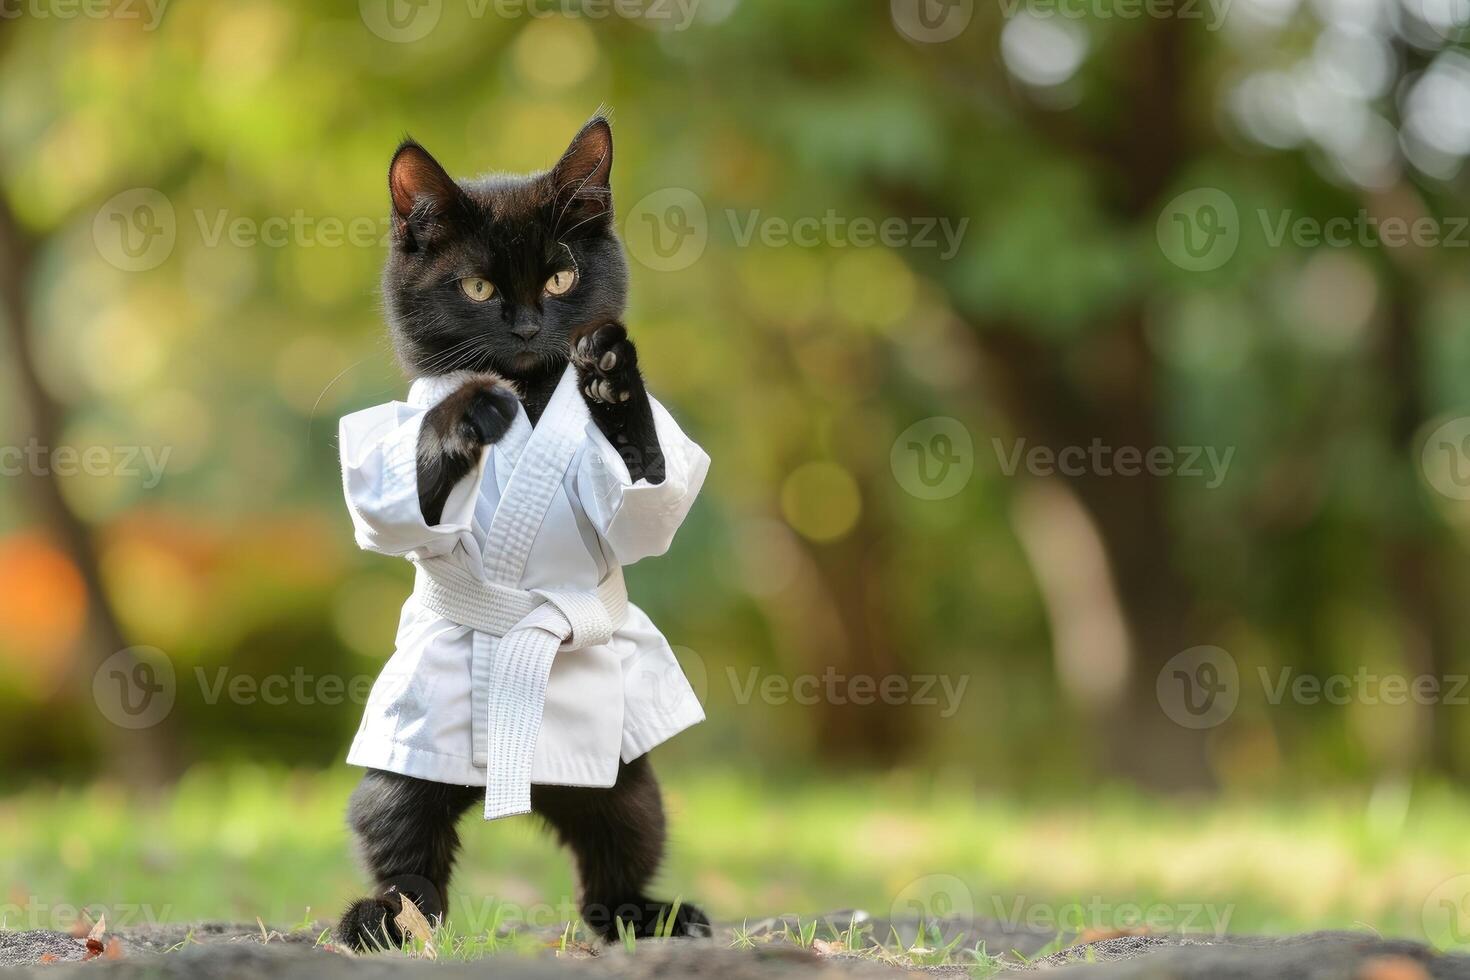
507	279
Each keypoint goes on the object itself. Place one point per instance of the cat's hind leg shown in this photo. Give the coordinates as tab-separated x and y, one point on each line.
405	830
616	836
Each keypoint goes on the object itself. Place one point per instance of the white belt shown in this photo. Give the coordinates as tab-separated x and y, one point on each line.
517	635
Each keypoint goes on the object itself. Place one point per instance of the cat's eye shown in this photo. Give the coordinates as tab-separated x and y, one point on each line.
560	282
477	290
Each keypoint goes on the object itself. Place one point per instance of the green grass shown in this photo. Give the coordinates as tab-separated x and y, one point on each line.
243	843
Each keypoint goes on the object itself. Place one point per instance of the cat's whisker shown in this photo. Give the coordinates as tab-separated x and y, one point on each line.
579	224
443	358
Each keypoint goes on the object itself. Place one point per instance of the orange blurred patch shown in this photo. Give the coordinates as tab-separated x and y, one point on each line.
43	607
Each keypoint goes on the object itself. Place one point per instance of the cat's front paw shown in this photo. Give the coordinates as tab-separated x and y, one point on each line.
607	366
475	414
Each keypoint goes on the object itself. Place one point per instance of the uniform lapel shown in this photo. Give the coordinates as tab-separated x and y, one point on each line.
539	456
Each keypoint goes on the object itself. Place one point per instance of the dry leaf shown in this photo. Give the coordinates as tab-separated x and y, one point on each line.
411	922
99	928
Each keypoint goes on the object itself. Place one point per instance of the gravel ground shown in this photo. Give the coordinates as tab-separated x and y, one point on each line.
216	951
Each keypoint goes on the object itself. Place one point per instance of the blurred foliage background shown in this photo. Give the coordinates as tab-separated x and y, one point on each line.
192	212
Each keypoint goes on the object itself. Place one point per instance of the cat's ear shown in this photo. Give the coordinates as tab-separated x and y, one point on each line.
416	181
580	179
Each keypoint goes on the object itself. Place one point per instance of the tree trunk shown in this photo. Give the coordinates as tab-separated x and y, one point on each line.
1135	738
139	756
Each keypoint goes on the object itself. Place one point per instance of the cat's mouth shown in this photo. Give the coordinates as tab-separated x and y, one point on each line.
531	359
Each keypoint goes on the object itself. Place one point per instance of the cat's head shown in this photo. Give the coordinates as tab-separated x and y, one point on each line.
501	273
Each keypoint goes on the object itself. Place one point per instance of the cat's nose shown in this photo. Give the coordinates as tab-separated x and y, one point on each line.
525	327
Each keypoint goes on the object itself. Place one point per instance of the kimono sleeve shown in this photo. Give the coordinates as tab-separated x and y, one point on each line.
379	449
639	519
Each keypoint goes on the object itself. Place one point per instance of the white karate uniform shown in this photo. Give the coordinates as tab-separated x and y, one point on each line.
518	659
